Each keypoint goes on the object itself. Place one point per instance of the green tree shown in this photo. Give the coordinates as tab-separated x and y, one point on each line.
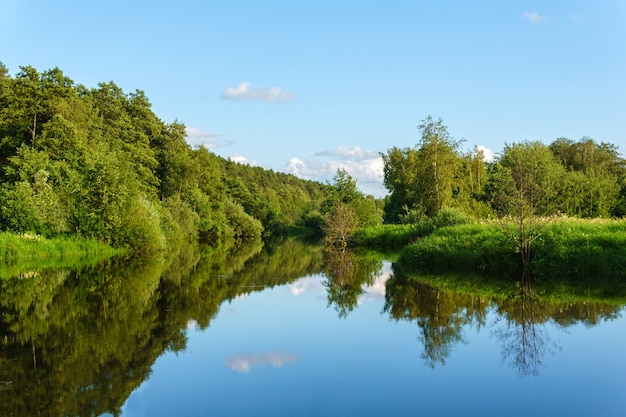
400	179
438	161
31	200
125	127
339	224
422	180
345	209
524	186
344	191
99	163
594	186
468	193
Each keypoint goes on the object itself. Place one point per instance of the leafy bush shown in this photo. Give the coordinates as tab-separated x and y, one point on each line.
142	227
242	224
451	217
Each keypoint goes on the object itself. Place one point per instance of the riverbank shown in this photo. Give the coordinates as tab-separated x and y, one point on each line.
566	247
25	251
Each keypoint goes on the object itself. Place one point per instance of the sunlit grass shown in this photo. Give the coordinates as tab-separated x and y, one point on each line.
469	247
396	236
582	247
28	251
565	247
390	236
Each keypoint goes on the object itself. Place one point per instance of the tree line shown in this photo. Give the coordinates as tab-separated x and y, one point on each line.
581	178
98	163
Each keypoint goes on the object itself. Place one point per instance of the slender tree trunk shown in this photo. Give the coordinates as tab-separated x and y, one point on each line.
33	130
34	355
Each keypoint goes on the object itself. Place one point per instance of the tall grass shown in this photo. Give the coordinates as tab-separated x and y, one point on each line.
567	249
390	237
480	247
576	247
27	251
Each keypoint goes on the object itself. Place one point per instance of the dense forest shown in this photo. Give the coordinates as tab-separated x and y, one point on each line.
98	163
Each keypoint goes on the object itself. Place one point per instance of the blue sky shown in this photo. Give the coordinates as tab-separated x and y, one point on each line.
309	87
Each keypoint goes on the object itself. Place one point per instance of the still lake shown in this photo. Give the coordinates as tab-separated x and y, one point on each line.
290	331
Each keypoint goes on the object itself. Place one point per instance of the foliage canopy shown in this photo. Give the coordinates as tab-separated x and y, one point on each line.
98	163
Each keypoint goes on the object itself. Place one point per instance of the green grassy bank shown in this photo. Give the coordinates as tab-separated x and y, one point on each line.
27	251
566	247
394	237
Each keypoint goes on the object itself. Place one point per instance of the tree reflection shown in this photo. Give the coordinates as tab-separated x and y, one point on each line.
91	339
346	276
523	337
440	314
442	306
77	343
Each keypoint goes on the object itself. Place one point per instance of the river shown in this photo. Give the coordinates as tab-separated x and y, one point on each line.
289	330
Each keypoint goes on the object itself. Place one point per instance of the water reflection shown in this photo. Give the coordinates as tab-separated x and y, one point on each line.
523	338
243	363
440	315
443	307
78	342
347	275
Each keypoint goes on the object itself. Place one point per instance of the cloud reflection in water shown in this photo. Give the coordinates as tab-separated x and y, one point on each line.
243	363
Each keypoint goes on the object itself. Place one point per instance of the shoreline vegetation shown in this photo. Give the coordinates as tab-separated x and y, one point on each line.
99	164
566	249
24	252
16	246
94	172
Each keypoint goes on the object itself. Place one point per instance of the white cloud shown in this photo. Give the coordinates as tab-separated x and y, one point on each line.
243	363
240	159
366	167
577	18
535	18
244	91
199	137
488	154
347	152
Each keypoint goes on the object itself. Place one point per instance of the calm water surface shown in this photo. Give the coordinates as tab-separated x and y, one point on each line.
288	331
